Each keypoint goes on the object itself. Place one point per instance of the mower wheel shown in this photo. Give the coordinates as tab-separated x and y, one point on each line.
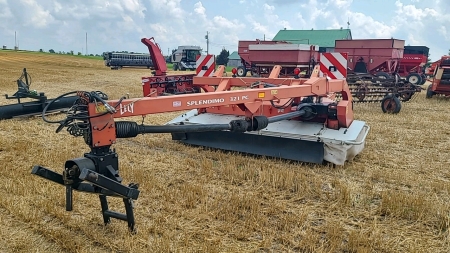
430	93
391	104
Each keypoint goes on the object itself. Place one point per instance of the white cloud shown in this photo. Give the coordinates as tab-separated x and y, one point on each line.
269	7
412	12
200	10
134	6
257	27
443	31
172	9
37	16
366	27
341	3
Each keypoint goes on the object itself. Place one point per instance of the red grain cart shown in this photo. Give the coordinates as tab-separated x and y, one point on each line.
379	57
260	57
412	66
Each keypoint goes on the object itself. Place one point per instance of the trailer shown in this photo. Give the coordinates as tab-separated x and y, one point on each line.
374	57
259	57
116	60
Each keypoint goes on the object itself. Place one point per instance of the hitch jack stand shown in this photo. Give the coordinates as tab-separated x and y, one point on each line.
81	174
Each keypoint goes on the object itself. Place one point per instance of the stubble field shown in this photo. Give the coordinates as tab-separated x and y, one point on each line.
394	197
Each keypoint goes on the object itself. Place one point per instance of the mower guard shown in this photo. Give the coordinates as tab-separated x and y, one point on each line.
288	139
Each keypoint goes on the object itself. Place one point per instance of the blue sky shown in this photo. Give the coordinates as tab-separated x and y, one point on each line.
120	24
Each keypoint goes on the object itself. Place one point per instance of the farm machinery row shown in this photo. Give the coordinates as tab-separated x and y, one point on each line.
294	118
371	67
377	70
369	80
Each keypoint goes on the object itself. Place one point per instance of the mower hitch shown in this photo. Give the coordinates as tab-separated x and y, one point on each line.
99	168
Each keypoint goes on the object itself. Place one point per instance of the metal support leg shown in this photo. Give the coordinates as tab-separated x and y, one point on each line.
130	214
104	204
69	198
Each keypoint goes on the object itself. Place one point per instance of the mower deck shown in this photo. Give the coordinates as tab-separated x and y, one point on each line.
287	139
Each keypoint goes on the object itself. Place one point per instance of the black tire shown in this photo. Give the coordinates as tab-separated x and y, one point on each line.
241	71
414	78
175	67
383	75
255	72
391	104
429	93
424	79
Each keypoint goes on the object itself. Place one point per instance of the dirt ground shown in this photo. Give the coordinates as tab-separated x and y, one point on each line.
394	197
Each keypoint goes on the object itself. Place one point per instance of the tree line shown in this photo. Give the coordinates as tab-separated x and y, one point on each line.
71	52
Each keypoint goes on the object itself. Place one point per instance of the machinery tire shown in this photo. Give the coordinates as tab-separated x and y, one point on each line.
241	71
429	93
383	75
175	67
391	104
255	72
424	79
414	78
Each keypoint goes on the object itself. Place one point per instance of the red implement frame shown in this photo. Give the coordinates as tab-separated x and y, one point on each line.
250	102
160	81
441	80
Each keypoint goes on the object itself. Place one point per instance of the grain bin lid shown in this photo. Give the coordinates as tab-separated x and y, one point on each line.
282	47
